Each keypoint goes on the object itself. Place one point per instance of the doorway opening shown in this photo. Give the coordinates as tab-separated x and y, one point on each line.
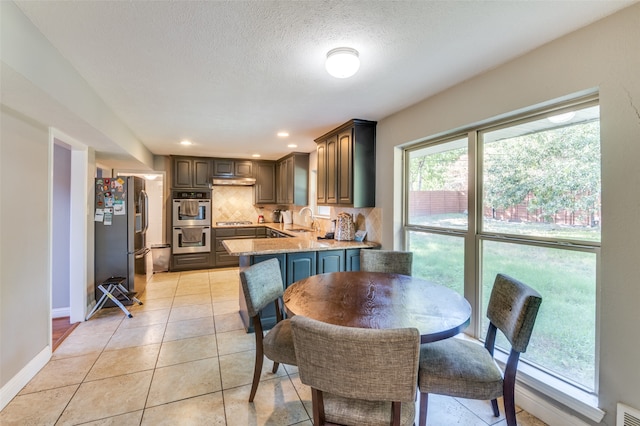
68	164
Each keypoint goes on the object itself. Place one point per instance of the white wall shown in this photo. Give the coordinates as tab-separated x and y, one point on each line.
39	82
25	304
604	56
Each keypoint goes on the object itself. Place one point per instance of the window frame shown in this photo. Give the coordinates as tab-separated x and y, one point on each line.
573	395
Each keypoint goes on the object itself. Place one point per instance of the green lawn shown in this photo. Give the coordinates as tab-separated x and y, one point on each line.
542	230
564	336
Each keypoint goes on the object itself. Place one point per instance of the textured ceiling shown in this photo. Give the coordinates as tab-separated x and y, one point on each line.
229	75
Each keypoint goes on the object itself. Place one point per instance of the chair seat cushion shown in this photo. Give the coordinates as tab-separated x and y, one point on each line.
347	411
278	344
459	368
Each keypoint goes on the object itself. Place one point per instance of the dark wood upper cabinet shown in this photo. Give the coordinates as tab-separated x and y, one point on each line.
265	187
191	172
345	167
321	187
292	175
225	167
201	172
243	168
347	164
182	174
222	167
331	172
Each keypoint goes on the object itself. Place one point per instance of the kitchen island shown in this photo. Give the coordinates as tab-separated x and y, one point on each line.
298	241
300	256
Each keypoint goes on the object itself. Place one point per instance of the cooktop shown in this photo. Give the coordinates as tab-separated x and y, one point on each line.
234	222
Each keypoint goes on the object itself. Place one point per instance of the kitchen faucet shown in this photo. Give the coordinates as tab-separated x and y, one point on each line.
313	220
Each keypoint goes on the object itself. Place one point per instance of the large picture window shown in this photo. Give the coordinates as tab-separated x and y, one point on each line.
535	215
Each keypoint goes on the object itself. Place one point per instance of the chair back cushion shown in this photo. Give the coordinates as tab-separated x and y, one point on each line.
261	284
513	307
360	363
395	262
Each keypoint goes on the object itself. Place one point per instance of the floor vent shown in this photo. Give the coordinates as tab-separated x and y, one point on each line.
627	416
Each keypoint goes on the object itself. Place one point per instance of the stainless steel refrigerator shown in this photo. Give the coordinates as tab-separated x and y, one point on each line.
121	222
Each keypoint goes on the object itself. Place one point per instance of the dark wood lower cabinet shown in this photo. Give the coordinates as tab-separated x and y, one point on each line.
222	257
186	262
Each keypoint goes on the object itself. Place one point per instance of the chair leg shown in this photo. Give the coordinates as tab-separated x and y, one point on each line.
494	405
317	404
510	406
275	367
424	399
256	375
257	369
396	409
509	388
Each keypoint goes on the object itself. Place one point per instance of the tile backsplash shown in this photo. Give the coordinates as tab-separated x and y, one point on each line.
235	203
231	203
366	219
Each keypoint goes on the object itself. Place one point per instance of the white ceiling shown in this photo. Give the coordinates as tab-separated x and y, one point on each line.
228	75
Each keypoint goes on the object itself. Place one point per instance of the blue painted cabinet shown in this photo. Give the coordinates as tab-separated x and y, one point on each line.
330	261
299	266
295	267
352	260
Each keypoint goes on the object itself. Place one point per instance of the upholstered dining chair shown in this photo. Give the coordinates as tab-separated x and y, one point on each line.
262	285
395	262
358	376
464	369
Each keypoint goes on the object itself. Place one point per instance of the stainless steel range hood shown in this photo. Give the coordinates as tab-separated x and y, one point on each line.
233	181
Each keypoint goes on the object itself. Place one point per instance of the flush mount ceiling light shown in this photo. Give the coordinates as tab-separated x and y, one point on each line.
185	142
342	62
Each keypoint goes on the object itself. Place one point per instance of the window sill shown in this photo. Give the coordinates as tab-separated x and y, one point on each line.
572	397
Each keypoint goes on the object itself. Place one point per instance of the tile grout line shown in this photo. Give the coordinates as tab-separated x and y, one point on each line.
155	366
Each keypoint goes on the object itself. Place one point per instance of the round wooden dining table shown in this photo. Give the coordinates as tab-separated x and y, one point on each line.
380	300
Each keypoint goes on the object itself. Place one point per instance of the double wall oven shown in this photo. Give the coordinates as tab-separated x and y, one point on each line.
191	222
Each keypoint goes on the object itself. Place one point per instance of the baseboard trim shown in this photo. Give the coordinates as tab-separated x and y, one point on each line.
543	410
20	380
60	312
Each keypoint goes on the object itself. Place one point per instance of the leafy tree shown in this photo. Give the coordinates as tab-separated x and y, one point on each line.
554	170
557	169
445	170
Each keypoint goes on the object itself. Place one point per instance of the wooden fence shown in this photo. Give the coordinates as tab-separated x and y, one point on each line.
428	203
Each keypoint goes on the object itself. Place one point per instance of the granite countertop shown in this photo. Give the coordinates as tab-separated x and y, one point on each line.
299	241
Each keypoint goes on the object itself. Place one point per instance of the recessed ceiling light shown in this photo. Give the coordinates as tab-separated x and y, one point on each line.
292	145
342	62
255	155
185	142
283	134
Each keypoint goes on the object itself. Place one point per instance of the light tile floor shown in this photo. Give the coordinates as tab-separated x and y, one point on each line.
183	359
